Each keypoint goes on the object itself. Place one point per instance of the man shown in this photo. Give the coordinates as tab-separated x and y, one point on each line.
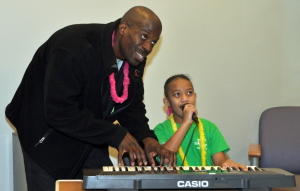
81	80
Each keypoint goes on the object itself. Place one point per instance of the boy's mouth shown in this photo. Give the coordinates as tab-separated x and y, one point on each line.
182	107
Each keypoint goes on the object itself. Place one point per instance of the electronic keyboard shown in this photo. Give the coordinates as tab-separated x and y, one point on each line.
186	177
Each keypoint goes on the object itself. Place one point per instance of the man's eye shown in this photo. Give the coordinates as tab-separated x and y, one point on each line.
153	43
144	37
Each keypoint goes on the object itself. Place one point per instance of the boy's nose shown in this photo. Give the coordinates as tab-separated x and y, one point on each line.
184	98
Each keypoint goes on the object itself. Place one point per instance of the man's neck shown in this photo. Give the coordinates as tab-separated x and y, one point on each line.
116	46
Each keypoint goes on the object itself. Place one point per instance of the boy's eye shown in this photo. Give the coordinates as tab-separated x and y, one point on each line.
144	37
176	94
190	92
153	43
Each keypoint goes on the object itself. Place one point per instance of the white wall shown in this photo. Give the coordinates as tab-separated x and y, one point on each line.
242	56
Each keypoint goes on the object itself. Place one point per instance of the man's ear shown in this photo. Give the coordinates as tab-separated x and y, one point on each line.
122	27
166	102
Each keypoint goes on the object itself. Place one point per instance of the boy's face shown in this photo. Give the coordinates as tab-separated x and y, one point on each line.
180	91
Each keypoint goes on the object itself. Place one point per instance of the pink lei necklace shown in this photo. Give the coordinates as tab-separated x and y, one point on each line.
126	82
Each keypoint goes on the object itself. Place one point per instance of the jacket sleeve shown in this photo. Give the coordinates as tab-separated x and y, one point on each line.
65	112
134	118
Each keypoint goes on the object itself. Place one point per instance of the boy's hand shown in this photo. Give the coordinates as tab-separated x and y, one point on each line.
187	112
230	163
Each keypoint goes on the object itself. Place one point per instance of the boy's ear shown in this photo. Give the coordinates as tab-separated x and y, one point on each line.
166	102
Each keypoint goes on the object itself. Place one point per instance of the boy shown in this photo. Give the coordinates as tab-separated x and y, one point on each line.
181	133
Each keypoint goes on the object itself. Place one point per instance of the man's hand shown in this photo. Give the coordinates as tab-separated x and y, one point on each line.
230	163
153	148
132	147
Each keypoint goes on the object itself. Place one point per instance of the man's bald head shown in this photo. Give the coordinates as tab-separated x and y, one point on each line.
136	35
141	16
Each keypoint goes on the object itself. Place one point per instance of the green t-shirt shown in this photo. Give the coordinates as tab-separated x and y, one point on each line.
214	141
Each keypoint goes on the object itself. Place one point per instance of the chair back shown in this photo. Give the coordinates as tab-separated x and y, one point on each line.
279	136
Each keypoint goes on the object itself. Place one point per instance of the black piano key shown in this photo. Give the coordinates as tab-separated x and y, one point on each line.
174	169
158	169
153	169
257	169
142	170
165	170
234	168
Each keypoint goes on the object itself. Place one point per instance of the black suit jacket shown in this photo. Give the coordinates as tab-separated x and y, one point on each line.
57	109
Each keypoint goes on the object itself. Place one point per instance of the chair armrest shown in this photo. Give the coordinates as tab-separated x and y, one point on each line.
69	185
254	150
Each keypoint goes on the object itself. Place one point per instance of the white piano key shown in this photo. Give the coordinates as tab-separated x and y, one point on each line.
207	167
156	168
131	168
123	168
139	168
185	167
116	168
110	168
147	168
254	168
169	168
105	168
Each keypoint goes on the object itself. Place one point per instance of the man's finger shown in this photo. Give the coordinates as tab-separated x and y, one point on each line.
144	159
119	159
149	157
162	160
139	157
171	159
131	158
175	159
